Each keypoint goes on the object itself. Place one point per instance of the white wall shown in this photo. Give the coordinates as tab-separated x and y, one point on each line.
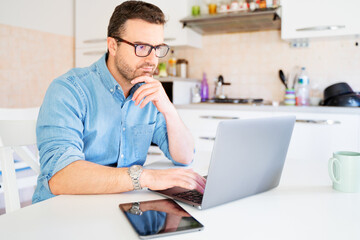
52	16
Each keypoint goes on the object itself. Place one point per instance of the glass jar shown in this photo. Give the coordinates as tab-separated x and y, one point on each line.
182	68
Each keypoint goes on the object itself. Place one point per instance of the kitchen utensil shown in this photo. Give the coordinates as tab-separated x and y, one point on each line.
293	76
340	94
337	89
346	100
282	78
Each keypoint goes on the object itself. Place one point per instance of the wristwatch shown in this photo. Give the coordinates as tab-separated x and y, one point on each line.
135	173
135	209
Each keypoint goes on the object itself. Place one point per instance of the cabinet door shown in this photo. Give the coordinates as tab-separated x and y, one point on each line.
87	56
92	19
203	123
317	136
320	18
91	22
174	33
154	154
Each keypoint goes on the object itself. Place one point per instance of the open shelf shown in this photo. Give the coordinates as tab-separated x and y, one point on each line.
245	21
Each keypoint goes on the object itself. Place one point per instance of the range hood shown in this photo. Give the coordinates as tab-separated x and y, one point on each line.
247	21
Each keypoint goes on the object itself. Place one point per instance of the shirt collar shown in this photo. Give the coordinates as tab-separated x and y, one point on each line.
107	78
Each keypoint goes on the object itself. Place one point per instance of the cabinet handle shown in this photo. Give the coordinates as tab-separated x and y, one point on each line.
218	117
153	153
100	40
321	28
321	122
208	138
92	53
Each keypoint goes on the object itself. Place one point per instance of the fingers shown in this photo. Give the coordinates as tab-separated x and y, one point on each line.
191	180
143	94
185	178
152	97
150	90
142	88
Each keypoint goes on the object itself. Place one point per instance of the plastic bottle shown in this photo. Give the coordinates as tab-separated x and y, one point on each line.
303	89
172	64
204	89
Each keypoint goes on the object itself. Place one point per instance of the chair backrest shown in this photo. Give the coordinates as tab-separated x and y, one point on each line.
18	126
17	130
19	113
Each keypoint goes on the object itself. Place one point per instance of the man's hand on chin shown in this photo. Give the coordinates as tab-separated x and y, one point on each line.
152	91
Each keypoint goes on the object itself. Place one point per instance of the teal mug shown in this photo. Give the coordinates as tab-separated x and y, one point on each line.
344	171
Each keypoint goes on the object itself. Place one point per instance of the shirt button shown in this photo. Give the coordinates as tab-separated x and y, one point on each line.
122	155
118	87
111	90
123	129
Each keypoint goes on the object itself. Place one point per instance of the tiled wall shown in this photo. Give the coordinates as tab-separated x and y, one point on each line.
29	61
251	61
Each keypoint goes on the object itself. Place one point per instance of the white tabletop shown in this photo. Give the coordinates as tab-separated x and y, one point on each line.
304	206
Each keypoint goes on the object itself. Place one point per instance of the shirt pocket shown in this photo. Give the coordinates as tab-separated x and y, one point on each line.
142	139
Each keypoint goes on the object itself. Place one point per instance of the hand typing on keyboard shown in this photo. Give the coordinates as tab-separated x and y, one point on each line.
175	177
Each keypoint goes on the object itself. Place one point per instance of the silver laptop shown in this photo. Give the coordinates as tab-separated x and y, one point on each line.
247	158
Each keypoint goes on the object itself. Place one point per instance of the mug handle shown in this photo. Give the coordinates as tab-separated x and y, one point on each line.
333	161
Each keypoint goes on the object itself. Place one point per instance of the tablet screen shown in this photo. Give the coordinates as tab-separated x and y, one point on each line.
159	217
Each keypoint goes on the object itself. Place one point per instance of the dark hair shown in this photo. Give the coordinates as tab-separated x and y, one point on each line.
133	10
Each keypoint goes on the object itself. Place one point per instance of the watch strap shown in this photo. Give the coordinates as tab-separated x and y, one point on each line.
135	173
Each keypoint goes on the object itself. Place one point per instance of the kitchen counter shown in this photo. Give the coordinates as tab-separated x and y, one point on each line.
270	108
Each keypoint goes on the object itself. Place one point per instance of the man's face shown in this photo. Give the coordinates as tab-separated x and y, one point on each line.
127	63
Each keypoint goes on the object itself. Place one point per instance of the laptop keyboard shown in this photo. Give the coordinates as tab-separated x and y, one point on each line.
192	195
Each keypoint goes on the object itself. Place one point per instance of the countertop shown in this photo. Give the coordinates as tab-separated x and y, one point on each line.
270	108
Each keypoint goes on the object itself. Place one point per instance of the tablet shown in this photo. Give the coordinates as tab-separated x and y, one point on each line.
157	218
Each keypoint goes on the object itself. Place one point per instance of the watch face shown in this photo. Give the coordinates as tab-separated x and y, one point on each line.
136	168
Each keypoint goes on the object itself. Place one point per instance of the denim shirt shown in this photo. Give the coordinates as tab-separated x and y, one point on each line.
85	116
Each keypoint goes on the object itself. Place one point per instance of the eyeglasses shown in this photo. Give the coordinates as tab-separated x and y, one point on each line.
143	49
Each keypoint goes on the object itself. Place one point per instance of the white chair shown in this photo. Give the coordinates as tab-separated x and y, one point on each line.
17	130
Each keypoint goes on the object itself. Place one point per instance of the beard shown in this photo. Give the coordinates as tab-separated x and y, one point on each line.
129	73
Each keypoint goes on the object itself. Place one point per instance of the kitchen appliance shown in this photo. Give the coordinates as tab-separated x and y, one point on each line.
179	92
340	94
236	100
219	90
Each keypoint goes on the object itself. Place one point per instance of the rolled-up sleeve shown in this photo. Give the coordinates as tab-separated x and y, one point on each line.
59	131
160	138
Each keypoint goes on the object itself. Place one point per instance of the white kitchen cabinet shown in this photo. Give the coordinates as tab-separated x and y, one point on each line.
92	19
155	154
91	22
319	18
87	56
203	123
315	135
174	33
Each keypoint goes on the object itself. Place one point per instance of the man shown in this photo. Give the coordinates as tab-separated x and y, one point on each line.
96	124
